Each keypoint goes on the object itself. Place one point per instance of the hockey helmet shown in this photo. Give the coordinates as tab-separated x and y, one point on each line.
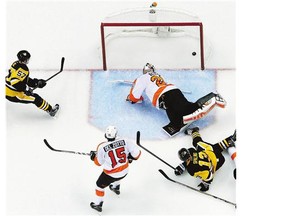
183	154
111	132
148	68
23	56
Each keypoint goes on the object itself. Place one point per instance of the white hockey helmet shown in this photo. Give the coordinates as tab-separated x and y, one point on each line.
111	132
148	68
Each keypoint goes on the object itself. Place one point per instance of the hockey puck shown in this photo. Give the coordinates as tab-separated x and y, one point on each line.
193	53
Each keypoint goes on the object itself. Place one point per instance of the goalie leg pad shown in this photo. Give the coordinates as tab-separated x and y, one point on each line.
201	112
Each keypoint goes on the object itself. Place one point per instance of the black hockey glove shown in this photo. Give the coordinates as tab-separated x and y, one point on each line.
41	83
29	92
93	155
179	170
130	158
204	186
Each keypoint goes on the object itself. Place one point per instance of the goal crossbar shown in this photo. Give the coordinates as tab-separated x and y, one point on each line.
154	24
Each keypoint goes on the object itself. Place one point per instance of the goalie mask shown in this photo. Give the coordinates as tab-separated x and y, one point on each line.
148	68
111	132
183	154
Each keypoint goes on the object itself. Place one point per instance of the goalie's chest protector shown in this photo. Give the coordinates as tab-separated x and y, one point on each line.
153	85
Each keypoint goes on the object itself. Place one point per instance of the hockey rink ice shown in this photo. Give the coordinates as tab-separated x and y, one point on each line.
40	181
144	117
43	182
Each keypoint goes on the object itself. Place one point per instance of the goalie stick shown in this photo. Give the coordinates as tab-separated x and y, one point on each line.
65	151
121	81
138	143
61	69
177	182
131	83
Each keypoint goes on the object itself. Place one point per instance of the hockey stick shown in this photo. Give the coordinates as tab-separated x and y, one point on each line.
138	143
121	81
131	82
177	182
65	151
61	69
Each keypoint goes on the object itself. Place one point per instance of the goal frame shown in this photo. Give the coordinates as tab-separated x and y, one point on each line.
154	24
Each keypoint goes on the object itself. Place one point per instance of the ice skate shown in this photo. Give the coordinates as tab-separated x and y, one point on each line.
97	207
220	101
116	190
232	139
54	110
231	142
189	131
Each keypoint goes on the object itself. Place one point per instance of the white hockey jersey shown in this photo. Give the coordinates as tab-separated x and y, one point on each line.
112	156
153	85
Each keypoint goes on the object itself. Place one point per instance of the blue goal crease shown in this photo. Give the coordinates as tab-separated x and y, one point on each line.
108	105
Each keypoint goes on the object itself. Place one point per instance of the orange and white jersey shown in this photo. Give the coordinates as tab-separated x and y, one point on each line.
153	85
112	156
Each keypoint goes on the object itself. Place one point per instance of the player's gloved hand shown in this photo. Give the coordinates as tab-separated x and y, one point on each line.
234	136
130	158
179	170
29	91
132	102
204	186
41	83
93	155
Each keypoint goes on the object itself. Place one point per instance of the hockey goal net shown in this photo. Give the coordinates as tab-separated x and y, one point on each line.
167	38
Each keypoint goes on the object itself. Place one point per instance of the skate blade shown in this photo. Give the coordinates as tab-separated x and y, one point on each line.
92	206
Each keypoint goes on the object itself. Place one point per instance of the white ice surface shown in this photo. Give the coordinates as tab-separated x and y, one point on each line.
40	181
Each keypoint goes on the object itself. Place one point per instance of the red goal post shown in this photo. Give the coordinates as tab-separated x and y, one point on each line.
117	22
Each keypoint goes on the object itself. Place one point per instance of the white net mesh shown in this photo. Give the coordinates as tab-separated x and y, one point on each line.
173	41
147	15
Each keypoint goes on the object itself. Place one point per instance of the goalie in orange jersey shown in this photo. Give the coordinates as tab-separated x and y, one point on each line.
162	95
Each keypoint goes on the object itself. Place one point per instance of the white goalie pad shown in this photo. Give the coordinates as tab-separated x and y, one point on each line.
201	112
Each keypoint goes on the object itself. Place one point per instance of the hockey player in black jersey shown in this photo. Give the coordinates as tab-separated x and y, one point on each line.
19	86
203	159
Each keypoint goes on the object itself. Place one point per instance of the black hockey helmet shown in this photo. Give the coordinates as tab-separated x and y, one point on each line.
183	154
23	56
